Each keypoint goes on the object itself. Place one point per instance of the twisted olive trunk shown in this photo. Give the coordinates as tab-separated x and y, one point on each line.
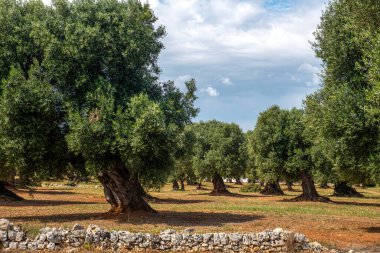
309	192
182	184
342	189
219	186
272	188
175	185
123	191
289	186
324	185
6	194
238	181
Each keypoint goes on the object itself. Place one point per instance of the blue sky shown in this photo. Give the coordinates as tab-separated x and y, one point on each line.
245	55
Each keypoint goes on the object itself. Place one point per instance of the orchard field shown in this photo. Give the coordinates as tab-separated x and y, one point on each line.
346	223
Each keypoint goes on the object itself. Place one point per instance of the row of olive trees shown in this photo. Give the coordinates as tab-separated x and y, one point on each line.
210	150
336	137
79	89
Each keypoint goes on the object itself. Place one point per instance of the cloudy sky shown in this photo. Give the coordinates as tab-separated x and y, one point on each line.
245	55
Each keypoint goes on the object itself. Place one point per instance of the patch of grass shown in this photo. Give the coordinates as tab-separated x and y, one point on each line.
31	230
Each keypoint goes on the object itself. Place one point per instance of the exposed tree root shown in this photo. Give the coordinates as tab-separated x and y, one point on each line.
313	198
343	190
272	188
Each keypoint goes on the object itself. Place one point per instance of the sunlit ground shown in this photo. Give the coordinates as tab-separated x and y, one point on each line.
345	223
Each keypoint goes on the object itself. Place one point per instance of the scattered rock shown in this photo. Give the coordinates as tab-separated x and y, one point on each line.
3	236
4	224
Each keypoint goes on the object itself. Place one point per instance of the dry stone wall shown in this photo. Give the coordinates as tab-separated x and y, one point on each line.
12	237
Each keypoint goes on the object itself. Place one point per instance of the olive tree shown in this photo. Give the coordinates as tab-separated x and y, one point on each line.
346	131
100	58
268	148
32	142
300	161
219	151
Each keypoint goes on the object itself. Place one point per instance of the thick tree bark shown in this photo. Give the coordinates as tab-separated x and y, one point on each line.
142	191
219	186
238	181
309	192
272	188
343	190
175	185
123	191
6	194
229	180
289	186
182	184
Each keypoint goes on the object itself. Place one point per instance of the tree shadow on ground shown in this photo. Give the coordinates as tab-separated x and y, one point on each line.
43	203
52	192
229	186
238	195
294	190
176	201
230	194
375	230
169	218
355	203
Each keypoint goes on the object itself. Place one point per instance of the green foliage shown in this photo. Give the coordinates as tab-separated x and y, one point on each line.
96	91
251	171
31	136
268	144
250	188
219	149
183	167
299	146
343	113
279	147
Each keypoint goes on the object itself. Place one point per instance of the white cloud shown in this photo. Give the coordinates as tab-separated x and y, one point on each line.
231	31
226	81
180	81
212	92
313	71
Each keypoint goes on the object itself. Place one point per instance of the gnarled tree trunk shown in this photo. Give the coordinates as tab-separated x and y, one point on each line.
238	181
289	186
6	194
142	191
342	189
219	186
309	192
272	188
175	185
324	185
182	184
122	190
